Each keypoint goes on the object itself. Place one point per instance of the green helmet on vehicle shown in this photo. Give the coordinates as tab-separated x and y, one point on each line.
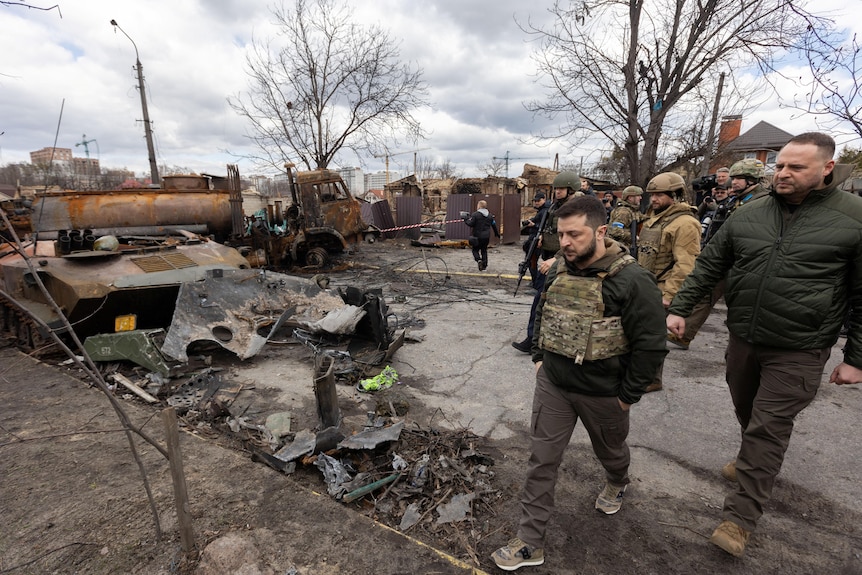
569	180
632	191
666	183
749	168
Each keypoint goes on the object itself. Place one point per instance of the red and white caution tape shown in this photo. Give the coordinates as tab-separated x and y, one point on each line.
421	225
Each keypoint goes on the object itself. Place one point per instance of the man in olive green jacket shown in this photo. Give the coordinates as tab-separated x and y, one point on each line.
793	264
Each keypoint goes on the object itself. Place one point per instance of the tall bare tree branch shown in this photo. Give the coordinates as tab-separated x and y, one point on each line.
833	88
633	71
325	85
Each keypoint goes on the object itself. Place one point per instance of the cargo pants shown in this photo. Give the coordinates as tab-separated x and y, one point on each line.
769	387
555	413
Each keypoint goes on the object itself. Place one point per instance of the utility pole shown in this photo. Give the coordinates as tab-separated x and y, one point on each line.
387	155
707	156
148	130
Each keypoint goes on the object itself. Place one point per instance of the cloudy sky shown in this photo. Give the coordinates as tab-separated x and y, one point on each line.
475	59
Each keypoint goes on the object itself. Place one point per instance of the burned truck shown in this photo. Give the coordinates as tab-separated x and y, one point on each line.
321	220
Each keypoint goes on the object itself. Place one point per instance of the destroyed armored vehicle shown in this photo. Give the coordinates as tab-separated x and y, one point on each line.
115	260
110	258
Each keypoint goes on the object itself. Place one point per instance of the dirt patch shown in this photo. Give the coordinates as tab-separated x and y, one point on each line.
73	502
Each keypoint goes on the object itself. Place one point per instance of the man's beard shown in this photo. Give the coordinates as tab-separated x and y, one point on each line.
587	255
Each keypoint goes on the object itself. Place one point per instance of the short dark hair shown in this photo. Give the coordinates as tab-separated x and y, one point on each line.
819	139
589	206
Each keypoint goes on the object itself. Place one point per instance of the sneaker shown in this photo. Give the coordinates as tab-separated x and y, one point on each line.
610	499
524	346
680	342
729	471
730	537
517	554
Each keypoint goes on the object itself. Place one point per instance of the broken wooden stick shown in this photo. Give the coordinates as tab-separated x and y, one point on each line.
128	384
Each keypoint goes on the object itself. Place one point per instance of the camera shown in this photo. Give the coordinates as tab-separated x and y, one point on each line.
704	183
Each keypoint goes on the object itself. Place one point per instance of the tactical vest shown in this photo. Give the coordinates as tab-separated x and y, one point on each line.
550	239
573	321
649	245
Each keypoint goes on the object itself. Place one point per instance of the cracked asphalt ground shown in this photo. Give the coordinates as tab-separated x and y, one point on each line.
73	503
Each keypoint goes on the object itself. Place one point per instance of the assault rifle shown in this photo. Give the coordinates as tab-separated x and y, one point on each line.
534	244
633	249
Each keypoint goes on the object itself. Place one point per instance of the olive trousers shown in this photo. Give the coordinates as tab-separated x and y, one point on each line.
769	387
555	413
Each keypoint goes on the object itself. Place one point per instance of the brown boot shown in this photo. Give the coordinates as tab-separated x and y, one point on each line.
730	537
729	471
653	387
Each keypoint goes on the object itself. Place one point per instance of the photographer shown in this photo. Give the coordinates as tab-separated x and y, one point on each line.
713	211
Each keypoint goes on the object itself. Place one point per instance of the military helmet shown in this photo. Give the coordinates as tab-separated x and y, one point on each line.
750	168
666	182
632	191
569	180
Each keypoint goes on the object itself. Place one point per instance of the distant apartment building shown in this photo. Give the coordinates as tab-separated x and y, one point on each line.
85	171
47	155
378	180
355	180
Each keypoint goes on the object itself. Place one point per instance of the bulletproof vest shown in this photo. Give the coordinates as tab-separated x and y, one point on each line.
649	244
550	239
573	321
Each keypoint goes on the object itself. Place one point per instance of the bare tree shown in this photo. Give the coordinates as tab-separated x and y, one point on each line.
834	88
629	70
493	167
612	167
332	85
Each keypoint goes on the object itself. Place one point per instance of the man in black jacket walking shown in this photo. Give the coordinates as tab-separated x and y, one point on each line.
482	222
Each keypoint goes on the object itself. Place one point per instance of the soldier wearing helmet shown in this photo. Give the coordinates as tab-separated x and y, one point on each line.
626	215
566	185
745	180
669	240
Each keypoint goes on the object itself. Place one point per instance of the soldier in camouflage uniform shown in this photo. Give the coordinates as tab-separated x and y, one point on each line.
627	213
669	241
746	177
564	188
600	339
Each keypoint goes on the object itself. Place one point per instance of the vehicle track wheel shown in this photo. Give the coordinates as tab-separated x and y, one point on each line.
316	257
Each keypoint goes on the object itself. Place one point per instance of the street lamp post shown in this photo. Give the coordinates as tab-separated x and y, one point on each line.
148	131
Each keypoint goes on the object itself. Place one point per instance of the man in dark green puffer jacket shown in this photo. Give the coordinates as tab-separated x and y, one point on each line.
793	263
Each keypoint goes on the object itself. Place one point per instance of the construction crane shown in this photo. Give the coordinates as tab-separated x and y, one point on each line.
506	158
85	142
388	155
